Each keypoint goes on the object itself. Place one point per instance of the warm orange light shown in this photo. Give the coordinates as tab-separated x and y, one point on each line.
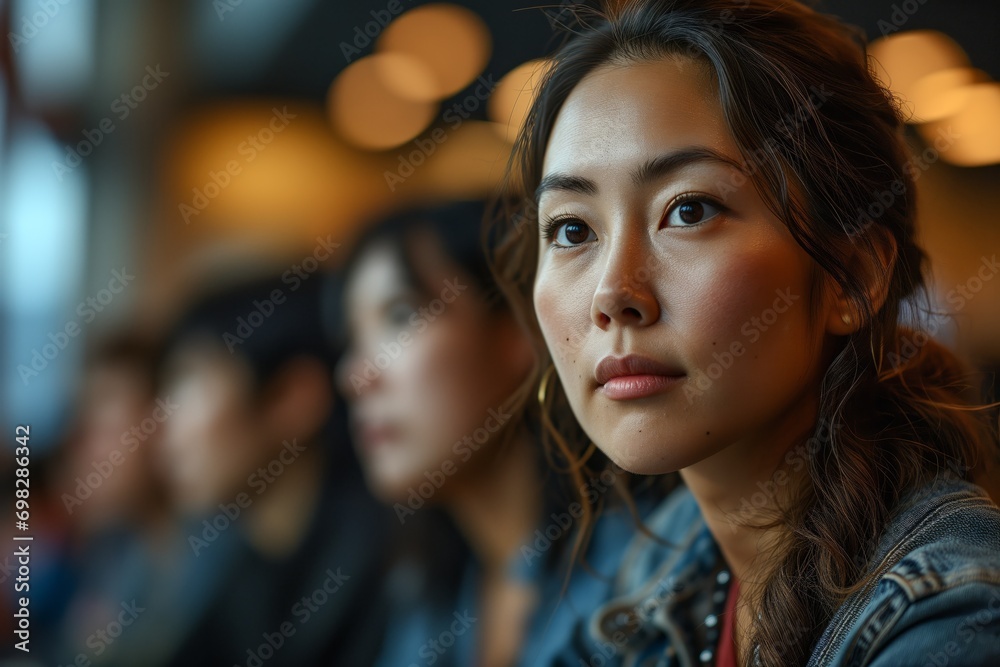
513	96
453	42
976	127
240	168
942	93
368	113
903	59
470	164
406	76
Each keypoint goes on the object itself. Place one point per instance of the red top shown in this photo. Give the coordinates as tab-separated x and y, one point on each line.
726	654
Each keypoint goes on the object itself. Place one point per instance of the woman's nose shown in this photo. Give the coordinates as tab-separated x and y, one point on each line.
625	294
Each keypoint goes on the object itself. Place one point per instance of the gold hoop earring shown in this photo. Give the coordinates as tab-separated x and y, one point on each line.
543	386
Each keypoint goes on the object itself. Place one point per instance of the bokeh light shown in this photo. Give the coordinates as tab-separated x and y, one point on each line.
369	113
976	126
903	59
452	41
509	105
943	93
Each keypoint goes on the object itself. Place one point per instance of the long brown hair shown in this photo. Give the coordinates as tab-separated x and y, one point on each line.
824	144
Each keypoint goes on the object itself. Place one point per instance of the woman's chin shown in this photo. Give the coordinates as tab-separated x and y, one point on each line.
411	491
657	458
638	462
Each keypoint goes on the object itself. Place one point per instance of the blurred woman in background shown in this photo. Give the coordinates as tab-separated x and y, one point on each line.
434	360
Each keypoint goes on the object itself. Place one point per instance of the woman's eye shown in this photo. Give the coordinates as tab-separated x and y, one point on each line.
572	233
691	212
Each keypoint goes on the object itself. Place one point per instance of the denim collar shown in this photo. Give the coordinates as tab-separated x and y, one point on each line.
667	582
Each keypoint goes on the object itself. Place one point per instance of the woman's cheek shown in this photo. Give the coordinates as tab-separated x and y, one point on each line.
547	319
563	319
425	374
747	320
445	387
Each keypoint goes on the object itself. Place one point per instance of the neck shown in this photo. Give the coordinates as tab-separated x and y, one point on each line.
277	521
499	504
741	489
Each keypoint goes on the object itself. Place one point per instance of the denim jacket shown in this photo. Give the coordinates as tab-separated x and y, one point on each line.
935	601
426	630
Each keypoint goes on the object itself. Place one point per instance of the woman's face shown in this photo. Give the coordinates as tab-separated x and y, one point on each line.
425	377
674	303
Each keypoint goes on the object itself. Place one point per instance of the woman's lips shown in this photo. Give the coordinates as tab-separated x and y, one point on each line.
634	376
638	386
373	436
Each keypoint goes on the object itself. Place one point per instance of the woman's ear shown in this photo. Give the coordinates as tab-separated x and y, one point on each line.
874	260
298	399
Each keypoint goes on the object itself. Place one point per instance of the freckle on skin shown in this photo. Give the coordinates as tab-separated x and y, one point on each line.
706	432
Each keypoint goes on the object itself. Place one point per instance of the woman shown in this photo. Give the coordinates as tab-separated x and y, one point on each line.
433	357
721	297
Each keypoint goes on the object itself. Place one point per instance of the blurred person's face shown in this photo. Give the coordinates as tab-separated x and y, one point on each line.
110	459
424	377
214	442
674	302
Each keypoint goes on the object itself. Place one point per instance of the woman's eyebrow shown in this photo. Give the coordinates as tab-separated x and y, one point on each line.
668	163
651	170
566	183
